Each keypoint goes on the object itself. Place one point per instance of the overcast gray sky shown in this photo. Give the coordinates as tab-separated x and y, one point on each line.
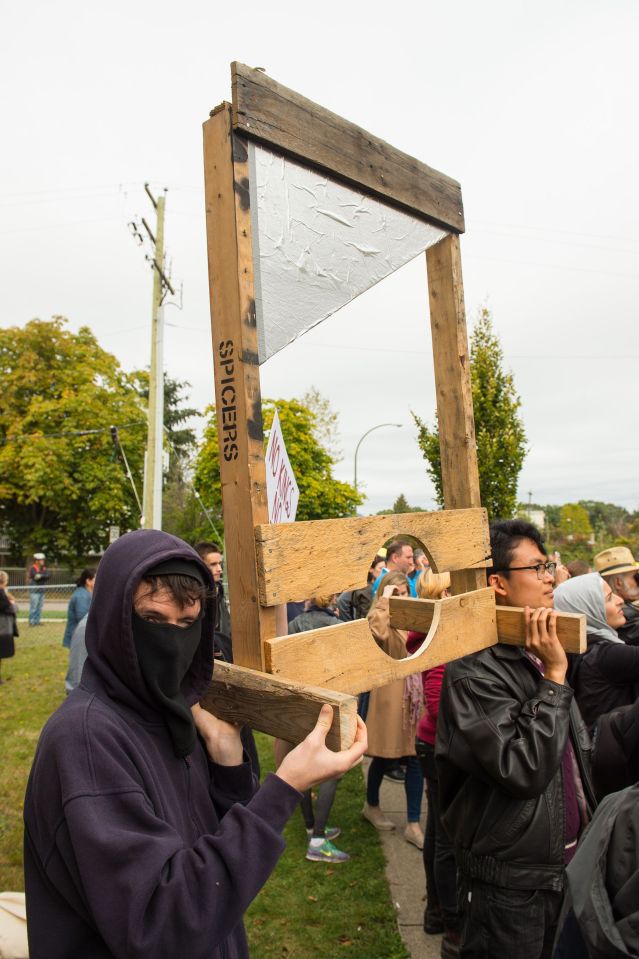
531	107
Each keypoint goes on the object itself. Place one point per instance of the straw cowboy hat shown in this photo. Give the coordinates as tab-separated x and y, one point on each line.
618	559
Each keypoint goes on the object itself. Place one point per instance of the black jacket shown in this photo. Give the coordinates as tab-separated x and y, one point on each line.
501	735
605	678
603	881
630	632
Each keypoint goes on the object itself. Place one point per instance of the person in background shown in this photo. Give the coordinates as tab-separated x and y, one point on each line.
79	603
600	917
440	914
77	656
355	603
211	556
606	676
420	565
621	572
393	713
399	559
512	756
562	573
578	567
37	576
319	613
8	624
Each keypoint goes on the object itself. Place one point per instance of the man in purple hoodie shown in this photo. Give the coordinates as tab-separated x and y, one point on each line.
145	833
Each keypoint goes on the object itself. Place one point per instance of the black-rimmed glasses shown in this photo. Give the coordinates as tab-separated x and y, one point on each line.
540	568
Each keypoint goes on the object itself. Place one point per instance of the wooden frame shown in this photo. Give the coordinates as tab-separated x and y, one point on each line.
264	567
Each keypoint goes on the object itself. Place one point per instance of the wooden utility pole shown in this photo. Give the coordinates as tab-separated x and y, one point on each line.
152	498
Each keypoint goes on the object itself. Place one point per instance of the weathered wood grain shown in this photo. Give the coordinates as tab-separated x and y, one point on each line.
571	629
237	383
460	476
299	560
347	658
270	112
409	613
284	709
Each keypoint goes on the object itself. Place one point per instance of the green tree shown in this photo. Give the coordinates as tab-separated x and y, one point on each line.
499	428
321	495
61	481
574	522
401	505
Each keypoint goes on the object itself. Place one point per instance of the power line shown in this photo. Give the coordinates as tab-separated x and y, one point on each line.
19	437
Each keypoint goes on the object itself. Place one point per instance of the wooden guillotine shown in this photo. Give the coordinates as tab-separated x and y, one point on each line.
304	211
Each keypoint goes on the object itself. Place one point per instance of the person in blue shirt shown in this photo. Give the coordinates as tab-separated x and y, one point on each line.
79	603
399	559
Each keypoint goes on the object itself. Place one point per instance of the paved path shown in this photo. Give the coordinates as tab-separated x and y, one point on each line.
405	875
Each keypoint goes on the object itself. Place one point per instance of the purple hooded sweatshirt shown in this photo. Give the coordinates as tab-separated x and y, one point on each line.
130	851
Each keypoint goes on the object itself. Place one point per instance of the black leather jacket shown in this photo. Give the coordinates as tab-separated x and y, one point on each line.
501	736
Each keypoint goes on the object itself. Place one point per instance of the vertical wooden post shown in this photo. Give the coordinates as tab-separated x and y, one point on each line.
237	379
460	477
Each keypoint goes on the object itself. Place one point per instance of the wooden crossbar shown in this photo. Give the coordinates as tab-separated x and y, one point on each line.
268	111
281	708
337	553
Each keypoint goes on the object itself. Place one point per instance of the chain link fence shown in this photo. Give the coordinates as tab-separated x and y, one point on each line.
52	601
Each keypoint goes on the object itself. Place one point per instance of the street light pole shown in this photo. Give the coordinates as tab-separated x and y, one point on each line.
378	427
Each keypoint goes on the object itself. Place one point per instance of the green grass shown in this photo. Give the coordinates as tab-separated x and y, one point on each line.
306	910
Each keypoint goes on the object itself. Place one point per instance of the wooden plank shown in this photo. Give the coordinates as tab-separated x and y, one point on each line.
283	709
571	629
270	112
237	383
417	614
337	553
347	658
460	476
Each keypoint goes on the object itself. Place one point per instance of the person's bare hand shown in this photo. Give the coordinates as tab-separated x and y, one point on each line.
389	591
222	740
543	642
312	762
561	574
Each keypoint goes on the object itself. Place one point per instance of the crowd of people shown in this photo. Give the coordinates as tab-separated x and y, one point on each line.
515	747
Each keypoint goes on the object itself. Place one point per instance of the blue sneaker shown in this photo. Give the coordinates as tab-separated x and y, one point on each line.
330	833
326	853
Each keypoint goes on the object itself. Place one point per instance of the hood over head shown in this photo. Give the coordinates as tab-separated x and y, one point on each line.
584	594
112	656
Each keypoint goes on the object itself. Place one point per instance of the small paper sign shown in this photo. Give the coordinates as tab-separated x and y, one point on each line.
281	487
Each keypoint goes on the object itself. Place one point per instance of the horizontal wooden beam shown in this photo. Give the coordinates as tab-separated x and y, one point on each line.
299	560
571	629
274	114
347	658
417	614
282	708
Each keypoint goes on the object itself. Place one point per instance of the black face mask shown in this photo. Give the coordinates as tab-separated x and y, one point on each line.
165	654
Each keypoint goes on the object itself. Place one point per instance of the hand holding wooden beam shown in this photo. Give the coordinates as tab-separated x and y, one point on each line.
279	707
417	614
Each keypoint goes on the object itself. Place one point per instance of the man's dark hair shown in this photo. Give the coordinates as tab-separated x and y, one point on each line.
185	590
505	537
203	549
395	548
87	573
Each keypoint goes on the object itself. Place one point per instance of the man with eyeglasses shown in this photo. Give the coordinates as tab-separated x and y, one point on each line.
512	755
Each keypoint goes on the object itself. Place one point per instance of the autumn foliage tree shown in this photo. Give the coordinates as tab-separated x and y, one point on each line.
61	482
499	428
